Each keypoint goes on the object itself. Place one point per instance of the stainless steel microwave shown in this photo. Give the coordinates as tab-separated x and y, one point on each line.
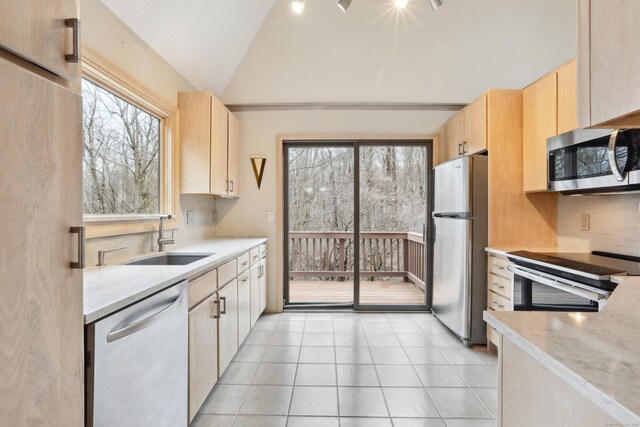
594	161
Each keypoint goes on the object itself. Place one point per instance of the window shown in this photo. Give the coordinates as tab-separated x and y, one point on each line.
128	151
121	170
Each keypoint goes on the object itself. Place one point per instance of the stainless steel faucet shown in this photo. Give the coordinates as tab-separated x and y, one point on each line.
161	239
101	254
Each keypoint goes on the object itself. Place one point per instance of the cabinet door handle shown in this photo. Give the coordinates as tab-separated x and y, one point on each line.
497	285
74	23
499	267
460	149
223	299
214	310
80	264
464	147
245	263
245	278
495	304
231	191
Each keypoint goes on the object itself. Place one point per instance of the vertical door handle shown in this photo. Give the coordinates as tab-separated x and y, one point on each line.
464	147
460	149
74	23
613	161
80	264
231	190
214	310
223	299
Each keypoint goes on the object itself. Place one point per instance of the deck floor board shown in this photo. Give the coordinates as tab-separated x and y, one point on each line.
371	292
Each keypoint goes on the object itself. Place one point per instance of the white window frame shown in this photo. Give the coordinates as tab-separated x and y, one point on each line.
123	87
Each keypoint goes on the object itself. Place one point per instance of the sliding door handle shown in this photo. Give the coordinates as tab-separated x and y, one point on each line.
80	264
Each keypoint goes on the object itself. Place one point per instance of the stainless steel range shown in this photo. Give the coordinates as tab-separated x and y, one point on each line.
566	281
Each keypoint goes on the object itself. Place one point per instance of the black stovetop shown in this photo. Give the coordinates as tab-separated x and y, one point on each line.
596	265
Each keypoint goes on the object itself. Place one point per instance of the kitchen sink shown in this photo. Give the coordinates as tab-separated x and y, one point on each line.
169	259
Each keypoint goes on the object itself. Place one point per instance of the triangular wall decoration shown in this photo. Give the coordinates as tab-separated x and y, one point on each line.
258	164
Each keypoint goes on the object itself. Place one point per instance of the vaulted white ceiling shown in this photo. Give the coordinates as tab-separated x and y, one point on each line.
260	51
204	40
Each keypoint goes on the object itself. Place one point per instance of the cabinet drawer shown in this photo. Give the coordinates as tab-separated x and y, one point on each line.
498	266
493	336
500	285
202	287
227	273
254	254
243	262
263	251
498	302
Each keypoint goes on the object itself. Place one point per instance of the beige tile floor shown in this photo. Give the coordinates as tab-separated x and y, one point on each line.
354	370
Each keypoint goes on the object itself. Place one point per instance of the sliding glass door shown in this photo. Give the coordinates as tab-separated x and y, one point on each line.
392	194
353	229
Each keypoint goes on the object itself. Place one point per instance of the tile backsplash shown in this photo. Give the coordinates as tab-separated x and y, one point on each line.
614	223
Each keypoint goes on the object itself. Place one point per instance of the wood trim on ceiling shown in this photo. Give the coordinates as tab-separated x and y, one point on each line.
343	106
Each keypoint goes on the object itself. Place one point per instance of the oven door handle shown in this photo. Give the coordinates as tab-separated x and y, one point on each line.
592	296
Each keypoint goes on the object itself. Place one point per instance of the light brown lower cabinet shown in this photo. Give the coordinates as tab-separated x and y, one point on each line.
263	285
227	325
244	306
532	396
203	352
254	272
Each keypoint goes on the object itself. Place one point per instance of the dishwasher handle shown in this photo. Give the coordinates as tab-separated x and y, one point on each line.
116	334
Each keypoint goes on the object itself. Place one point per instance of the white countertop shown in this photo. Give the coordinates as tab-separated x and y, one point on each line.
596	353
110	288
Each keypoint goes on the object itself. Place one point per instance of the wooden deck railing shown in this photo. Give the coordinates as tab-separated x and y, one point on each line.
329	255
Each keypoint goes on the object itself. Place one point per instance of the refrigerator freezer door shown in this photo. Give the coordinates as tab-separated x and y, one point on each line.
452	186
451	274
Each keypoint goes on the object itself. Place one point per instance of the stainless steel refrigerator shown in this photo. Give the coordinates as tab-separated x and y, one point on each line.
459	257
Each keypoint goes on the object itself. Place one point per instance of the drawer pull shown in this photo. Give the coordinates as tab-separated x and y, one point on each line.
245	263
497	285
495	304
245	278
499	267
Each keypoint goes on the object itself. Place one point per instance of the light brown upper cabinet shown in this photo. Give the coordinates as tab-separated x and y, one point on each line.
608	63
567	98
475	126
466	132
43	32
539	115
454	129
549	109
209	146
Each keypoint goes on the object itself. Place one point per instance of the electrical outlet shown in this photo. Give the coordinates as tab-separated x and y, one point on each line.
585	222
190	217
270	217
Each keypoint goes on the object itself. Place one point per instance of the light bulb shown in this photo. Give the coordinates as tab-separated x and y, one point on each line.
401	3
297	6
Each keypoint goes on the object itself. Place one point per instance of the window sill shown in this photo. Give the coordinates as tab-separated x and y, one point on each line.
120	225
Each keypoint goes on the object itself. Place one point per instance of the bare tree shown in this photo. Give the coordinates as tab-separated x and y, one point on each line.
121	155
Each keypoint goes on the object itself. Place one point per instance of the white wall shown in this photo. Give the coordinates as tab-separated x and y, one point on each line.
615	224
115	45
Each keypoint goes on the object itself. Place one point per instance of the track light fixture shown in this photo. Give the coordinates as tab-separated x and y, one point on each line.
435	4
344	4
297	6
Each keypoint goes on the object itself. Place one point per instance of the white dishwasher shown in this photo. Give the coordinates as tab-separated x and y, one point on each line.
137	363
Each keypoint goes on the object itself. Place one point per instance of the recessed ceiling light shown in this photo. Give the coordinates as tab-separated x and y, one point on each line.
401	3
344	4
297	6
435	4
